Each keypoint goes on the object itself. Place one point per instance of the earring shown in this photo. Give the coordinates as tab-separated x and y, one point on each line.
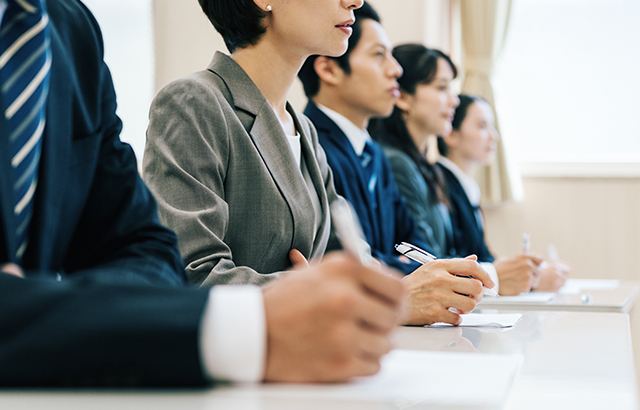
269	7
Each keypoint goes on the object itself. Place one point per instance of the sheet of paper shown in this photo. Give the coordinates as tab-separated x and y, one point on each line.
575	286
529	297
408	379
498	320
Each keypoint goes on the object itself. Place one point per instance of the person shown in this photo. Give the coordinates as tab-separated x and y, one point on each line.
345	93
424	110
95	297
471	143
238	174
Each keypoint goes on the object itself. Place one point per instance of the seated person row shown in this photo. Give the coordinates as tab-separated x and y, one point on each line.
240	176
426	109
96	295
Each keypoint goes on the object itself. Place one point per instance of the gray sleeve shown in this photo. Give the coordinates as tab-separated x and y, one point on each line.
185	165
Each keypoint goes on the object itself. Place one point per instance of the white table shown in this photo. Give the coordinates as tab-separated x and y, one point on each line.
619	299
571	360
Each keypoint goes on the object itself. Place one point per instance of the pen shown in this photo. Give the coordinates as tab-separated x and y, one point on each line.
349	231
421	256
526	242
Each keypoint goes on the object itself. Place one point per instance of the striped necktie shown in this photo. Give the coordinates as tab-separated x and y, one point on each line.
25	60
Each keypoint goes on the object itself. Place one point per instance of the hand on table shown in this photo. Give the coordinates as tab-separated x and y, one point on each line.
553	276
331	321
518	274
434	288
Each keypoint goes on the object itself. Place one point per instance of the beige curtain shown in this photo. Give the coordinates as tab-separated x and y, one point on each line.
483	30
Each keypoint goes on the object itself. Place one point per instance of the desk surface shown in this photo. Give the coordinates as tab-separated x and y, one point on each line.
619	299
570	360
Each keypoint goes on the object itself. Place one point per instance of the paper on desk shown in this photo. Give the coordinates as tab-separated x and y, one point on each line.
529	297
498	320
574	286
408	379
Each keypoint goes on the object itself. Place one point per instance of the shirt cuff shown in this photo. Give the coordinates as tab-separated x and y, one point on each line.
493	274
233	334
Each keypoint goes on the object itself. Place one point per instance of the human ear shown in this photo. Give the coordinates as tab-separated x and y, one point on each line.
453	139
328	70
265	5
405	102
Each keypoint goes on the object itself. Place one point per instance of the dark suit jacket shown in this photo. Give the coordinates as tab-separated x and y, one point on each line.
93	215
390	223
468	234
94	222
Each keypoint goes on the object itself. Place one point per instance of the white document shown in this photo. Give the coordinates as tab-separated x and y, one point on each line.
498	320
574	286
529	297
408	379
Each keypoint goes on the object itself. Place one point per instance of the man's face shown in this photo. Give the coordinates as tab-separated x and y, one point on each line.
371	89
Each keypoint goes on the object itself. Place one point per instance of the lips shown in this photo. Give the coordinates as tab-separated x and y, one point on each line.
346	26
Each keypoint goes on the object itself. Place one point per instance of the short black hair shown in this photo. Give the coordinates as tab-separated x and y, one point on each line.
308	75
239	22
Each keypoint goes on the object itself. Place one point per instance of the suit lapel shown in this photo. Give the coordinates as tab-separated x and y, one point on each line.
270	141
309	155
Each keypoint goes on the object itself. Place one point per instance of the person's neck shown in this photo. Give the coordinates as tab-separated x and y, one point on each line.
343	108
467	166
273	71
418	135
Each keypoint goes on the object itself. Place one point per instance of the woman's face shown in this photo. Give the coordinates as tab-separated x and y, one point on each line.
477	136
309	27
430	109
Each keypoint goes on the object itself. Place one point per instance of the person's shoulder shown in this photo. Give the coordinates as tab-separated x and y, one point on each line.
202	90
400	161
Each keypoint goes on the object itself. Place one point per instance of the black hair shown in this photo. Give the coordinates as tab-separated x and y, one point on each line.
458	117
308	75
239	22
420	66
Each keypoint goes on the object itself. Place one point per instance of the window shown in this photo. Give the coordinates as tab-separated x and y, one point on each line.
568	87
127	28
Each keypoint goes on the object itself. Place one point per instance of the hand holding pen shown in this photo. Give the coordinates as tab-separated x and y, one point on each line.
438	293
421	256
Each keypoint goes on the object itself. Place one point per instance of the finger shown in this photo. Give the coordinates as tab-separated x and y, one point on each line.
372	345
462	303
364	366
380	282
472	257
447	316
467	267
376	314
297	259
467	286
12	269
535	258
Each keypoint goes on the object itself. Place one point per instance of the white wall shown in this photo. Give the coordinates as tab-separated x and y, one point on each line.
594	222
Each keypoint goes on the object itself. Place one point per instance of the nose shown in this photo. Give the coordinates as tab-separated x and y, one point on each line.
353	4
455	100
395	69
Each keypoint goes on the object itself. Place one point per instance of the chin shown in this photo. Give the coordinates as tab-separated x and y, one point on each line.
336	51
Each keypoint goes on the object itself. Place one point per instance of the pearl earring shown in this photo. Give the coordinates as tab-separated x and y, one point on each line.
269	7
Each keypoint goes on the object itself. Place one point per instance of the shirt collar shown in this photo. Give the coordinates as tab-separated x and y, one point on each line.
469	184
358	137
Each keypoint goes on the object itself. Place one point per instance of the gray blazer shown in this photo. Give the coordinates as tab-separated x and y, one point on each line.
219	164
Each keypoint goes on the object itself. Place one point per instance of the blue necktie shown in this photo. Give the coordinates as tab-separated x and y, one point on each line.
25	61
370	176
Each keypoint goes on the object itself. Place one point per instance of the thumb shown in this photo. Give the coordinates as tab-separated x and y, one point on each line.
297	259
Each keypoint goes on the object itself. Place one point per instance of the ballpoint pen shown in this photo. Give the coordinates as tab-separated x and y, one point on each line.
526	242
349	231
421	256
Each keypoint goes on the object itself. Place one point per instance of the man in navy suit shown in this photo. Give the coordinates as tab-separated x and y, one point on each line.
345	93
91	285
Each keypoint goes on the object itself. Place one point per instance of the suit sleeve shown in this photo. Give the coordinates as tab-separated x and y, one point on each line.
185	165
415	191
80	333
118	236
